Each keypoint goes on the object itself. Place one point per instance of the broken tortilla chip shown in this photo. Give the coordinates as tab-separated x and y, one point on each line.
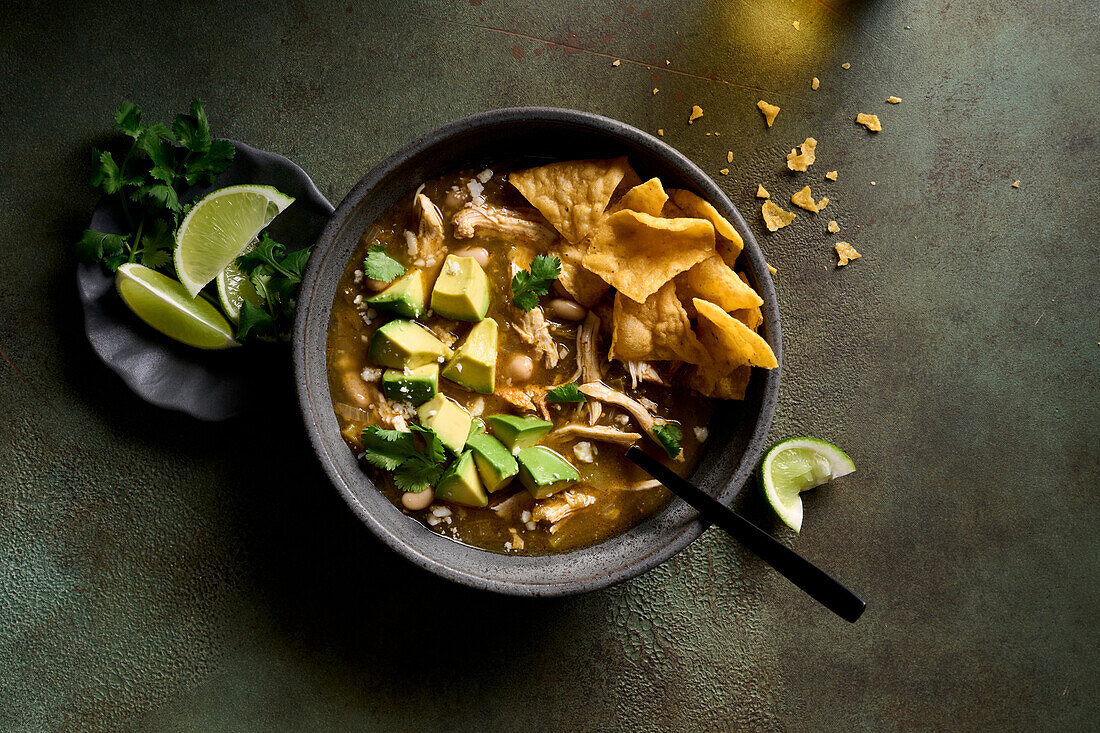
731	244
647	198
571	194
845	253
638	253
585	287
655	330
729	341
805	199
774	217
696	113
869	121
715	281
761	192
728	386
800	161
770	111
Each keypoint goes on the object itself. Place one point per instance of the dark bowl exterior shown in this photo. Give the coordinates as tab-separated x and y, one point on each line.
738	430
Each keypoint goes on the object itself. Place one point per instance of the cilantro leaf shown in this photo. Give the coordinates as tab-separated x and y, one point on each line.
392	450
159	194
212	162
276	277
193	130
380	266
106	174
416	475
128	119
528	285
295	262
566	393
160	154
386	449
433	445
95	246
255	321
669	436
156	245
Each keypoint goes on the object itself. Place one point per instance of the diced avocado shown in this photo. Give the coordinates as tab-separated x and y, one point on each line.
477	427
411	385
461	291
399	344
544	472
518	432
406	296
495	463
460	484
448	419
474	364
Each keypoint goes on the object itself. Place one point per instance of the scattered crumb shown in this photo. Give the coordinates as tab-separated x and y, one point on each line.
831	175
845	65
833	227
795	24
668	63
774	217
1015	184
802	160
725	171
701	433
616	62
770	111
845	253
655	90
771	269
761	192
661	131
718	134
869	121
894	100
805	200
583	451
708	134
815	84
729	158
696	113
874	183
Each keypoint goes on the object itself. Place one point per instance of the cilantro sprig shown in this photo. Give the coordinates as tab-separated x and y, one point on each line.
275	275
380	266
414	468
148	181
529	285
566	393
669	436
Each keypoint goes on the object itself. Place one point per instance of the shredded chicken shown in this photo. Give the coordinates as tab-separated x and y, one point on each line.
603	433
644	485
517	541
588	361
602	392
643	371
533	328
474	220
510	508
430	234
525	398
560	507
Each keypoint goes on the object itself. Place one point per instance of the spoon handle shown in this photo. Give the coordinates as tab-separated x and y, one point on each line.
795	568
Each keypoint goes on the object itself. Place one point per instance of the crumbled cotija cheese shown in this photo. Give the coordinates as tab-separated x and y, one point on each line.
583	451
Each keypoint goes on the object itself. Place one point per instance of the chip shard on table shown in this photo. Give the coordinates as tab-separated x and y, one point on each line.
1015	184
845	65
805	199
833	227
770	111
845	253
696	113
661	131
796	25
804	157
831	175
894	100
729	156
815	83
775	218
761	192
616	62
871	122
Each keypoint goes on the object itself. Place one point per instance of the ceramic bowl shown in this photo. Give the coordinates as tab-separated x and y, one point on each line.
738	430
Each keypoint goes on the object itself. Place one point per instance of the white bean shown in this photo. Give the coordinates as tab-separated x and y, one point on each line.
478	253
418	501
375	285
566	310
519	368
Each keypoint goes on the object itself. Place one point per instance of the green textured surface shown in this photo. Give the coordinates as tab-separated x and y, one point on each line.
152	579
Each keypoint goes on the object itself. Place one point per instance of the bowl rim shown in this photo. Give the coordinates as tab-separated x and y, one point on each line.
705	186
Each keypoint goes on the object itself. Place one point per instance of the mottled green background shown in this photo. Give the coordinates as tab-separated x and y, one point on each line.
157	573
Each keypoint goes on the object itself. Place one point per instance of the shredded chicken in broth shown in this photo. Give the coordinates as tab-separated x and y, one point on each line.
425	369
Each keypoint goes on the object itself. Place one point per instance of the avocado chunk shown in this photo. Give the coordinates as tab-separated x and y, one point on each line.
448	419
406	296
518	432
461	291
495	463
411	385
544	472
474	364
459	483
400	344
477	427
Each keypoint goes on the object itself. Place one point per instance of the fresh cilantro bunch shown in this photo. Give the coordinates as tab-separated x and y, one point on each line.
380	266
414	469
669	435
566	393
160	164
276	276
528	285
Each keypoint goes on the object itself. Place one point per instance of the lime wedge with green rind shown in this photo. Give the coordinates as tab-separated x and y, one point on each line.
221	226
234	288
167	306
796	465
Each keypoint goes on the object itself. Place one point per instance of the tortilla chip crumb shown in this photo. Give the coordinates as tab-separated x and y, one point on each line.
725	171
795	24
661	131
775	218
845	253
1015	184
655	90
874	183
805	199
696	113
770	111
815	84
894	100
761	192
802	160
823	203
668	63
833	227
771	269
869	121
616	62
845	65
729	156
831	175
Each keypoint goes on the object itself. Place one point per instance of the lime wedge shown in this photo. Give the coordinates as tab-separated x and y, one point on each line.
796	465
220	227
234	288
166	305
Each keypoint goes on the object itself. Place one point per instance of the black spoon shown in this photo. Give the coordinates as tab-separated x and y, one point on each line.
795	568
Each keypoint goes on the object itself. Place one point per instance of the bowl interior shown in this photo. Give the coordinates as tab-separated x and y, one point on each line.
737	431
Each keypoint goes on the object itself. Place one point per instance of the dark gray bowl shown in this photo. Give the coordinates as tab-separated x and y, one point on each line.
738	430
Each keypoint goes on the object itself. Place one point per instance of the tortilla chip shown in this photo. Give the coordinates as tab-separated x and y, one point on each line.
656	330
831	175
729	341
775	218
761	192
869	121
833	227
731	244
696	113
805	199
571	194
806	156
585	287
729	386
770	111
714	280
648	198
751	317
638	253
845	253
